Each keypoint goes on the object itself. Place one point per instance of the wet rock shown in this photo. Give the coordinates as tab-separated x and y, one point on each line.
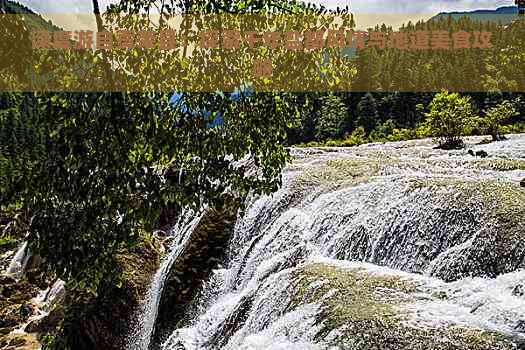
5	259
375	309
15	303
496	249
482	154
476	307
54	297
519	290
232	324
19	341
471	152
26	311
520	326
522	183
203	252
160	233
103	322
45	323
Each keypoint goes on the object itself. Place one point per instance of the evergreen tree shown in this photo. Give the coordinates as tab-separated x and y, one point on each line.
331	117
367	111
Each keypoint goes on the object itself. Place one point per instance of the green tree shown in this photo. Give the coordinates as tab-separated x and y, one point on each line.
448	114
496	116
96	168
331	117
367	111
113	161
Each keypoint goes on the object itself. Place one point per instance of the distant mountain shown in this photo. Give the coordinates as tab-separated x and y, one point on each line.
15	8
34	22
503	15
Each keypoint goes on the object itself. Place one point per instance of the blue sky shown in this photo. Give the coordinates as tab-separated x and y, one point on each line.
357	6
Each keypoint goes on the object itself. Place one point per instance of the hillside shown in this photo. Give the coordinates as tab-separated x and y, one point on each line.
35	21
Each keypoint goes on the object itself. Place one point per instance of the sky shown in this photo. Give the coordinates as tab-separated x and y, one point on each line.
357	6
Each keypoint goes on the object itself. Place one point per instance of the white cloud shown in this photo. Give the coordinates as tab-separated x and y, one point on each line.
64	6
415	7
357	6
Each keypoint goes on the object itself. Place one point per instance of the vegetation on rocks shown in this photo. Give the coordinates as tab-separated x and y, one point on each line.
336	173
496	116
500	164
102	322
15	305
84	176
363	311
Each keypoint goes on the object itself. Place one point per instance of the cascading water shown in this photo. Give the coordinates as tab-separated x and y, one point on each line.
431	218
18	264
142	330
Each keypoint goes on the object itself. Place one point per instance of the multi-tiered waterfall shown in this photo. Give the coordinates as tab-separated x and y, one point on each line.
395	246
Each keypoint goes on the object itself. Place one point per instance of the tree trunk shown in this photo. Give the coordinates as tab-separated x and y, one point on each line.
96	11
3	7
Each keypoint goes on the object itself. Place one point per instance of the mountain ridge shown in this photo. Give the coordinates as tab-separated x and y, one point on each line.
503	15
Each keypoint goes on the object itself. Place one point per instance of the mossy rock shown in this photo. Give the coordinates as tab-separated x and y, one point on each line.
20	341
15	305
102	323
499	243
335	173
499	164
365	311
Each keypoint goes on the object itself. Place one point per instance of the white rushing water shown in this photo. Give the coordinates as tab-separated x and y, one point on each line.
142	330
18	264
402	209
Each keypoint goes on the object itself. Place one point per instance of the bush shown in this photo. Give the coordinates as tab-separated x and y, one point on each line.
382	132
513	128
448	116
496	116
357	137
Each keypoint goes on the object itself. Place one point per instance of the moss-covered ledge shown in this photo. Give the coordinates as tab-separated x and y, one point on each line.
104	321
364	311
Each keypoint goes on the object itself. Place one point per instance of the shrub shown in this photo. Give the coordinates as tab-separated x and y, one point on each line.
382	132
357	137
448	115
496	116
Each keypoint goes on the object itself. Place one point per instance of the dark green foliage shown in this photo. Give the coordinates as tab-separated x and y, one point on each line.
367	112
95	168
394	116
495	117
204	251
457	70
331	117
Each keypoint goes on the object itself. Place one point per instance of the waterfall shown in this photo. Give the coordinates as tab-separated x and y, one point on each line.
438	221
142	330
18	264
